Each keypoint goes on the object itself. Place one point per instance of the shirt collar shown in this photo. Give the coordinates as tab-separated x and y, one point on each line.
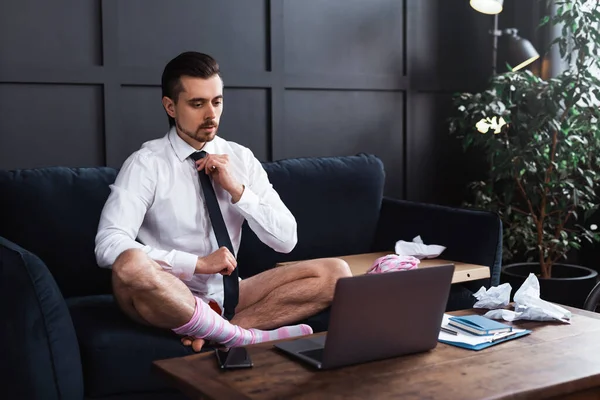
184	150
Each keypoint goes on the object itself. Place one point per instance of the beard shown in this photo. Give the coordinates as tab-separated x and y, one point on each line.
199	135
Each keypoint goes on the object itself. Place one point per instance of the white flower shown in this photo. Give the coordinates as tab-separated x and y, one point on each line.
485	124
482	126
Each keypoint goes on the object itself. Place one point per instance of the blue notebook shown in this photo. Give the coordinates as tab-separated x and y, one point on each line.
478	325
461	338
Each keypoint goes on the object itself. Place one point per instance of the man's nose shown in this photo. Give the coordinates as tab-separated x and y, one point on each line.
210	112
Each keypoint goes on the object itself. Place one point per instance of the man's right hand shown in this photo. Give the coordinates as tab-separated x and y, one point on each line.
220	262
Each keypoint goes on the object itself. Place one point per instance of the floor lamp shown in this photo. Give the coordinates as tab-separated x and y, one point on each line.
521	52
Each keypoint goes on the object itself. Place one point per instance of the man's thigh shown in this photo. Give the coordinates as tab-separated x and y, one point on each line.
257	287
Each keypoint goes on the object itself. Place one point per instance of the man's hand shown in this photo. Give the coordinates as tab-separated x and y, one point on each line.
221	262
217	166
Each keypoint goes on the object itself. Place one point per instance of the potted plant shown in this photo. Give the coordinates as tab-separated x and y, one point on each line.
542	141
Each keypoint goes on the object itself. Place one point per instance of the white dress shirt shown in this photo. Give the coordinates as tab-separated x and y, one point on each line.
156	199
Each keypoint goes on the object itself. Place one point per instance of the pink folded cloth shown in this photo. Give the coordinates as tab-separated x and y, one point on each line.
393	262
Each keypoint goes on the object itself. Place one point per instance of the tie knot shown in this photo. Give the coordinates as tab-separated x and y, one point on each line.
198	155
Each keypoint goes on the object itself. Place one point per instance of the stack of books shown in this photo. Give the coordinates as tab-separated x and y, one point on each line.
475	332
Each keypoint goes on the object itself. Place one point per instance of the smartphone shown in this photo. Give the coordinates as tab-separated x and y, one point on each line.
235	357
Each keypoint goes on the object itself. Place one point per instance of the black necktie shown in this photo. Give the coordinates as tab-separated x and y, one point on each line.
230	282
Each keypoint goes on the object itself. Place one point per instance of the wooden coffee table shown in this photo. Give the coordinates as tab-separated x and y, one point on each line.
463	272
555	361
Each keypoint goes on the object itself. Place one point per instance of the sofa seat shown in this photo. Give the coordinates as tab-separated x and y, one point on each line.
117	353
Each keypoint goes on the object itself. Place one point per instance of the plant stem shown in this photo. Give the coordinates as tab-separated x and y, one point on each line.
537	222
516	209
559	229
546	264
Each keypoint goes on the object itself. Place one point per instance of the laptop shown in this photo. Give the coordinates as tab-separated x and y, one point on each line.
378	316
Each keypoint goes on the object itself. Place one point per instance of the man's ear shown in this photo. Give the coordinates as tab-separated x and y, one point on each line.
169	106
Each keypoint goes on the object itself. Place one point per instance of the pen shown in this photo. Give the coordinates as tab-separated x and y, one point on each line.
450	331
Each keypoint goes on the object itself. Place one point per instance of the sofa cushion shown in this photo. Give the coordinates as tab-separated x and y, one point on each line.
39	357
336	202
54	213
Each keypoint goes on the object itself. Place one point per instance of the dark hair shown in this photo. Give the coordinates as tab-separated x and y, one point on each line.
190	63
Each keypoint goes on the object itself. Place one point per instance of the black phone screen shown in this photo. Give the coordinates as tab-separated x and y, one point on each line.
235	357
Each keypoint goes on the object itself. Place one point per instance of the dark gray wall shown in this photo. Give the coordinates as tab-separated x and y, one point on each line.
79	80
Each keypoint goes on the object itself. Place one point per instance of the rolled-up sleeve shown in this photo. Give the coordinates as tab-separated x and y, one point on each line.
266	214
131	196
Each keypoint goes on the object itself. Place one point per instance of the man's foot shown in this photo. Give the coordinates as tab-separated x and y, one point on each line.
207	324
196	343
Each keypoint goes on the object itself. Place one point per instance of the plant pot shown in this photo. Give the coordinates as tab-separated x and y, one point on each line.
569	285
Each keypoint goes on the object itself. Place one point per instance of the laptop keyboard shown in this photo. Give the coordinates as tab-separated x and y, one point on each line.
316	354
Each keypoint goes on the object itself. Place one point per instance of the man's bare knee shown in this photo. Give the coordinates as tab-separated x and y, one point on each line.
338	268
329	271
332	269
134	269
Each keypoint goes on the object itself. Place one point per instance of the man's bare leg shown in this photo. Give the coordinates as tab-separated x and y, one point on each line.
148	294
137	279
288	294
155	297
285	295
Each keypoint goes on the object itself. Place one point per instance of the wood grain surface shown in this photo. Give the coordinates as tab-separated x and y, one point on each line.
555	361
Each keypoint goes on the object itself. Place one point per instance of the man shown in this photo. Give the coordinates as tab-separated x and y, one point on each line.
173	276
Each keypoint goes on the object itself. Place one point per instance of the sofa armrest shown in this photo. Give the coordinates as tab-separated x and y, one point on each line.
39	354
469	236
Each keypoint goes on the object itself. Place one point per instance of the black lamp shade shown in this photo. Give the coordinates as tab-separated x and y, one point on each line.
521	52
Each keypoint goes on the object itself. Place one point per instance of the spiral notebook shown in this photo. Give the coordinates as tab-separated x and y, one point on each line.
464	339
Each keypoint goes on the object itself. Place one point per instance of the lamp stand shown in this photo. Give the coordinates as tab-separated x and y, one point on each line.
495	33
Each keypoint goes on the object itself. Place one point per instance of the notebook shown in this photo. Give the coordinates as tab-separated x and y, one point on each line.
472	341
478	325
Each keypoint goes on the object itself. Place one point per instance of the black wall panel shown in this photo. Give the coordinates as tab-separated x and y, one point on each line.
142	118
348	38
45	125
50	33
151	32
302	77
245	120
325	123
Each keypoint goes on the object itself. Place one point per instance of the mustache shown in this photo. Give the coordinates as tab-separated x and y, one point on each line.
207	125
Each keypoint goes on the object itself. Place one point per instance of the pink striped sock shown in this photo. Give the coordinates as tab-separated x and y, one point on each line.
207	324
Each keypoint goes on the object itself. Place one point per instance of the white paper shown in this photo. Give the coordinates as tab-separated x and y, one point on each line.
418	249
529	306
469	338
494	297
507	315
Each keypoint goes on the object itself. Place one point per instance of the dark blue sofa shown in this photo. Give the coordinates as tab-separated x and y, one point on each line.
62	335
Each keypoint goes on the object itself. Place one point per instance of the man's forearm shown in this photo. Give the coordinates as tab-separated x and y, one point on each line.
236	194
